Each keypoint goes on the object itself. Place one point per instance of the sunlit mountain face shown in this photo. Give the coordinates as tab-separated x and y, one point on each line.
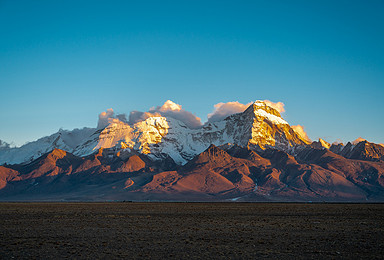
167	154
259	126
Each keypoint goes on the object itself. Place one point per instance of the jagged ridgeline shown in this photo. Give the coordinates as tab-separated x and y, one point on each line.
257	127
250	156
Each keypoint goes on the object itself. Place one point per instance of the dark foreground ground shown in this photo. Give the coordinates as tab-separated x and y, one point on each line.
191	230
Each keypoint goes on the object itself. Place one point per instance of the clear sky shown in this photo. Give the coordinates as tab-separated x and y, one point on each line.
64	62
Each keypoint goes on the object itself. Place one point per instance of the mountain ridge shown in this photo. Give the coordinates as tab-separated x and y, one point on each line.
215	174
254	155
257	127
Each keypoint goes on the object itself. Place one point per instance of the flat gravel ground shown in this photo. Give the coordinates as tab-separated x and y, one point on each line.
191	230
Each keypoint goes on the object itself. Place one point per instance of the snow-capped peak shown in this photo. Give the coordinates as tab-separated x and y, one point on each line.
258	126
63	139
261	109
259	103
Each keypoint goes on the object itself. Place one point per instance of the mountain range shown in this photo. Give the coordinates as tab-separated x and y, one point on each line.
254	155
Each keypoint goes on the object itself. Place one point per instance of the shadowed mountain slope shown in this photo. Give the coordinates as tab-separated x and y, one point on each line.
250	156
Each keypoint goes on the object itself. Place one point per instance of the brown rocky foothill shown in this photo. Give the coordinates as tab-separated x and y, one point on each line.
224	173
254	155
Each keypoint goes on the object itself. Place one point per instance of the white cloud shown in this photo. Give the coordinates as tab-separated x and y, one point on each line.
104	118
137	116
168	109
223	110
107	117
299	129
279	106
168	106
176	111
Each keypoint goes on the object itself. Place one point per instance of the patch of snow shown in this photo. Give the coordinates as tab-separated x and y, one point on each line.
156	136
274	119
63	139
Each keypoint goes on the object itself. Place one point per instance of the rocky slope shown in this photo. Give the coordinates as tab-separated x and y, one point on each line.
250	156
63	139
257	127
362	151
229	172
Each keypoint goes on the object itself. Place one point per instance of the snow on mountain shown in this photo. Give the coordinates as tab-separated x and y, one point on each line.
63	139
155	136
4	145
259	126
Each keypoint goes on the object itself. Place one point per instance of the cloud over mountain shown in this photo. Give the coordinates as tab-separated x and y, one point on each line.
279	106
300	130
104	118
174	110
223	110
168	109
107	117
137	116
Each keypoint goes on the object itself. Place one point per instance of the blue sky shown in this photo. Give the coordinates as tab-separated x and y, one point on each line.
64	62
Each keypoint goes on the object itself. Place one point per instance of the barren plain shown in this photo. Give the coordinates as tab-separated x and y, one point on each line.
153	230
